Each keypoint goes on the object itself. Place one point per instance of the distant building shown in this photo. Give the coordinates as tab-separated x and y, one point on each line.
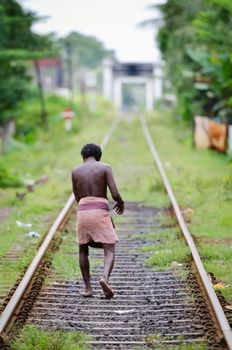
118	77
51	73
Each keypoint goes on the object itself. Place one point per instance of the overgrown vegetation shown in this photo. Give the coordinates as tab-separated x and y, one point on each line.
29	122
6	179
32	338
201	181
195	40
171	250
18	44
154	340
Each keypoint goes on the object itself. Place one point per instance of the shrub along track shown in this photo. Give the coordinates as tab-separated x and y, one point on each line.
150	308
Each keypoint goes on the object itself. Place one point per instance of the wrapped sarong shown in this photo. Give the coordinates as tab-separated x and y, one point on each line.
94	221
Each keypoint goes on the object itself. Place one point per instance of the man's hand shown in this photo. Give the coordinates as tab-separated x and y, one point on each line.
119	208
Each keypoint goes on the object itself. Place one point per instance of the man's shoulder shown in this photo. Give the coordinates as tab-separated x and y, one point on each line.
104	166
77	169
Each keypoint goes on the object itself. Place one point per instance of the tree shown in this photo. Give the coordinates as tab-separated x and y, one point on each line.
81	53
88	50
195	40
18	44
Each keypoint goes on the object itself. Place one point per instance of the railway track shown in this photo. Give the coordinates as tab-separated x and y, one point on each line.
150	308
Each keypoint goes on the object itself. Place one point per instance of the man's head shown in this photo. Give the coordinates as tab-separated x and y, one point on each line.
91	150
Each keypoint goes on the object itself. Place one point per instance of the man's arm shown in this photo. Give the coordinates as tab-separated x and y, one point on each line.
119	207
74	186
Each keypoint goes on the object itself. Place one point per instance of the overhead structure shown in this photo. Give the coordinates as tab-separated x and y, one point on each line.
116	74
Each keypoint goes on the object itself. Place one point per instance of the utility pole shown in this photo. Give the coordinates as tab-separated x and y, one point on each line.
43	111
68	48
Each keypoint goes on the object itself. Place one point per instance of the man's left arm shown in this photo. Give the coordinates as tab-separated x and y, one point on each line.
119	206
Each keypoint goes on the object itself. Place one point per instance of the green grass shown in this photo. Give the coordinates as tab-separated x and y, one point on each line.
160	234
202	181
218	259
171	249
32	338
154	340
133	166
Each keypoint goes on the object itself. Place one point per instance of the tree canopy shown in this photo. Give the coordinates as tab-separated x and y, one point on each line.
17	44
88	51
195	39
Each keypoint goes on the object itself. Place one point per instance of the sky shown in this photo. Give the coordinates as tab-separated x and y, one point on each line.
114	22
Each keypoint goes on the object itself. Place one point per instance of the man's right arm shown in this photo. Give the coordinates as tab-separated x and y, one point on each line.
119	207
74	186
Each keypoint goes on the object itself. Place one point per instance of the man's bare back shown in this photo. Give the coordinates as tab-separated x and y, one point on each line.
92	179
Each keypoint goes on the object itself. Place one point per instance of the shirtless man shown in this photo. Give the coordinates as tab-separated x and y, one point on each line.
94	225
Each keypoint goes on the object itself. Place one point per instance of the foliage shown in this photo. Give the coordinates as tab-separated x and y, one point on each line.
164	253
7	179
29	115
32	338
88	51
17	44
195	40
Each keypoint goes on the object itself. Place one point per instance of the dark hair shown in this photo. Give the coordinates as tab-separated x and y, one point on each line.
91	150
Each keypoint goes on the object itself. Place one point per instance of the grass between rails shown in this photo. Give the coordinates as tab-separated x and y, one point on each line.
138	180
133	167
202	181
153	340
170	250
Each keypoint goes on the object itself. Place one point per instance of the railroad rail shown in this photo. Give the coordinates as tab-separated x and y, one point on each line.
147	301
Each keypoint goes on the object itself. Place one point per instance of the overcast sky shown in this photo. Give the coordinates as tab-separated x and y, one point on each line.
114	22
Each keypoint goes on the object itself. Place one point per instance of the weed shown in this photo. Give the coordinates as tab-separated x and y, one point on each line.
157	339
33	338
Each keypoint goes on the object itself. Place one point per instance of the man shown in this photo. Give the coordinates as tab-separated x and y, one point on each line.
94	225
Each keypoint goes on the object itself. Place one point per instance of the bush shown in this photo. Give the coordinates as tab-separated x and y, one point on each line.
29	119
8	180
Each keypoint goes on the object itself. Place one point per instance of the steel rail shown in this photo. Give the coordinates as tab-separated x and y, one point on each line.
10	308
216	307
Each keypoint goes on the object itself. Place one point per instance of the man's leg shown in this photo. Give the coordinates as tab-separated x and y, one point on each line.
109	253
84	266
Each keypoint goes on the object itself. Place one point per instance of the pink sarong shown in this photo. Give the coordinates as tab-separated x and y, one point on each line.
94	221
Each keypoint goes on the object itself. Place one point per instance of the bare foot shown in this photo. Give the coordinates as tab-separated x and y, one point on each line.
86	293
106	288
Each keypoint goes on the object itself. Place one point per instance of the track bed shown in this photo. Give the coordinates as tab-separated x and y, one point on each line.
149	307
